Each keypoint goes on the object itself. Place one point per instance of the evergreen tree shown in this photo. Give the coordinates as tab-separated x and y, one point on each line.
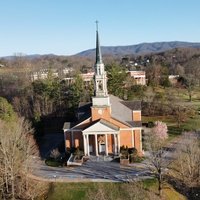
116	80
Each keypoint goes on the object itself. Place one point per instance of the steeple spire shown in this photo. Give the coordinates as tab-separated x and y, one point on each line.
101	97
100	74
98	49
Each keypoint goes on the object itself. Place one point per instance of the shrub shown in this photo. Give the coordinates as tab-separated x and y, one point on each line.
78	154
133	154
55	154
150	125
53	163
124	152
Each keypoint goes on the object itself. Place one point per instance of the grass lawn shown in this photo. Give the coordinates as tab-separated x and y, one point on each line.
78	191
168	192
190	124
69	191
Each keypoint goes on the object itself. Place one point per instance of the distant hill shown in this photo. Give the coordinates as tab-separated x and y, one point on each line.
142	48
29	57
138	49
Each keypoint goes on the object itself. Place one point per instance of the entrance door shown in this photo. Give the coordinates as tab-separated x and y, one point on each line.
102	148
91	148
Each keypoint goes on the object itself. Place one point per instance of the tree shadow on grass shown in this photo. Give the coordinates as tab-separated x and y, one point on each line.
192	193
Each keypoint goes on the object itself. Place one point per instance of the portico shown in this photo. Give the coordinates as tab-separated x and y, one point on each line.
97	146
101	138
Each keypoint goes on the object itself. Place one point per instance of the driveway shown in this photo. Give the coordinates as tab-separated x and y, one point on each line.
91	171
94	170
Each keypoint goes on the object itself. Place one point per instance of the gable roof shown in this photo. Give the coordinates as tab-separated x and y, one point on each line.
84	111
133	105
120	110
100	126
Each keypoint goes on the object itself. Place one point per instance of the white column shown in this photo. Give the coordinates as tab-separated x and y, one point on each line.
84	145
118	140
132	139
106	144
115	143
96	145
88	145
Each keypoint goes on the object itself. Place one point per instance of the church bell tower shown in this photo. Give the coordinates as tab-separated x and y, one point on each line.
101	97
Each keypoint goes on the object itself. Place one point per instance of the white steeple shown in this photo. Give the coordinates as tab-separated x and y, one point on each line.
101	97
100	74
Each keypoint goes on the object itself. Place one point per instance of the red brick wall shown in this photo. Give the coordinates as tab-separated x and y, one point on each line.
78	139
104	113
137	116
110	143
137	138
126	138
67	140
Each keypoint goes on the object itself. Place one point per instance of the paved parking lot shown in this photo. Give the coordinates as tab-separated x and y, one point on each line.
90	171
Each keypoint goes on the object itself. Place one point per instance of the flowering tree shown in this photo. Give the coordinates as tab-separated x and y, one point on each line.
155	141
160	130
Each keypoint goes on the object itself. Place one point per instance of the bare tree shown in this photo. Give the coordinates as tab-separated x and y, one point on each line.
186	166
156	160
154	74
181	112
16	149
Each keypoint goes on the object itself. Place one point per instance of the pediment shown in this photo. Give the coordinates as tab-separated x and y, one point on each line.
101	126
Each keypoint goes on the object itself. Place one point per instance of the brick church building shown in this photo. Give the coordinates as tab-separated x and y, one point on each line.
107	123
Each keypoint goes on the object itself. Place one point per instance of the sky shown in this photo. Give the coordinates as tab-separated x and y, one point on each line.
67	27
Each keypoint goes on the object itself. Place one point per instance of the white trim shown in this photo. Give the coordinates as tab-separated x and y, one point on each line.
96	145
76	126
100	127
132	138
84	145
118	140
88	145
106	136
115	143
129	129
100	133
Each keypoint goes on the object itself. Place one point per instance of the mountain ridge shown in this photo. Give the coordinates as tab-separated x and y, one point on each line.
142	48
122	50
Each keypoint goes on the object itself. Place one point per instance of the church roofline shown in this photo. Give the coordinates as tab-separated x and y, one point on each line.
104	122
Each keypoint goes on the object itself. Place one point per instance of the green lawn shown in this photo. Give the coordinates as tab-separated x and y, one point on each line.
69	191
190	124
86	191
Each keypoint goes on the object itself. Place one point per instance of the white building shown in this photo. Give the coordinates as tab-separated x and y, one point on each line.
139	77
